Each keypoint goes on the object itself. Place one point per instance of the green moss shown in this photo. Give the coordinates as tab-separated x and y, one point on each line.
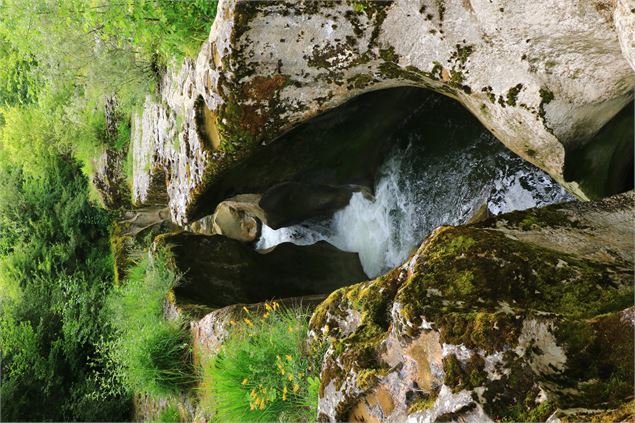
389	55
540	413
546	97
463	283
462	53
490	95
368	378
469	264
422	404
441	10
359	7
467	375
360	81
512	94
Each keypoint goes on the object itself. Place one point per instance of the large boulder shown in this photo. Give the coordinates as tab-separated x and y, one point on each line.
522	317
219	271
241	217
542	77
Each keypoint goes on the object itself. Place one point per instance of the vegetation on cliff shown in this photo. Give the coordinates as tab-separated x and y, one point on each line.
59	63
263	371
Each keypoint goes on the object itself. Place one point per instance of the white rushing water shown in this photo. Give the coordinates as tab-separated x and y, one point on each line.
416	193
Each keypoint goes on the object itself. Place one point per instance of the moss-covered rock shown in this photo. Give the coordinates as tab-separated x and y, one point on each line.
515	318
268	66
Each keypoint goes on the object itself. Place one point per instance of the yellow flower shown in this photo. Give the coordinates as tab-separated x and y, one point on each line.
232	322
296	387
288	357
276	305
251	407
244	382
290	329
290	377
246	309
252	394
268	307
249	322
278	357
284	393
265	315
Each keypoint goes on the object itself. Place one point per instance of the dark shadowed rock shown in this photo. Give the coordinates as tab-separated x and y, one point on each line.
219	271
291	202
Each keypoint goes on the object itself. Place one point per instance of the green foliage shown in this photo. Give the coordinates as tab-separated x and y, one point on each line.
262	372
55	269
69	56
59	62
170	415
147	352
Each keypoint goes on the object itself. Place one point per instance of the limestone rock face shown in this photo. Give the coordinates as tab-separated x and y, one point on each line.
543	77
525	316
218	271
624	16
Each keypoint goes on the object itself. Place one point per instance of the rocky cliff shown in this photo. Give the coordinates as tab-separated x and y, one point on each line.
524	317
543	77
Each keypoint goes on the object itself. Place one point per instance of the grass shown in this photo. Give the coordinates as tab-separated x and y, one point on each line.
263	372
169	415
151	354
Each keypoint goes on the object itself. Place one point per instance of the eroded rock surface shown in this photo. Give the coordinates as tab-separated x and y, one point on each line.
218	271
543	77
525	316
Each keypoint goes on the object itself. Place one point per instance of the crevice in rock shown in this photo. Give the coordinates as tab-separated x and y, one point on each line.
219	271
206	123
340	147
604	165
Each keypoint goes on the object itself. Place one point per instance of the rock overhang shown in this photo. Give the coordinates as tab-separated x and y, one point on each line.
542	78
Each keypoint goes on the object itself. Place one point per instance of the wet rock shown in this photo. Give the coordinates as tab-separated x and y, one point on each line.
268	66
289	203
526	316
219	271
239	218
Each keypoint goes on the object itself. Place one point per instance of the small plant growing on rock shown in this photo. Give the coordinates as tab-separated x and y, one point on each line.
262	372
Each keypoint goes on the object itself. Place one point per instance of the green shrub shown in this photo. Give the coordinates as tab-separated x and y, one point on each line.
262	372
55	271
148	353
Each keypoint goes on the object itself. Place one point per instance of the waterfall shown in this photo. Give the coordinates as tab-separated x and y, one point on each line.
419	189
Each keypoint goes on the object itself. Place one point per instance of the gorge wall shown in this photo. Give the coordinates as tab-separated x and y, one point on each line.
542	77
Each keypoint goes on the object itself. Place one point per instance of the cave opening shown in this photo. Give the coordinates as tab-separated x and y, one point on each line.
375	176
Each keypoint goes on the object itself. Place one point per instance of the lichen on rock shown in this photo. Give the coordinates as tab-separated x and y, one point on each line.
268	66
510	318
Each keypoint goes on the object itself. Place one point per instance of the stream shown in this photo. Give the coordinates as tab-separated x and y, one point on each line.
438	172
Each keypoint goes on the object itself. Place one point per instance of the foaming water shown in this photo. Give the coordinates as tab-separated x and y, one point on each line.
418	190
